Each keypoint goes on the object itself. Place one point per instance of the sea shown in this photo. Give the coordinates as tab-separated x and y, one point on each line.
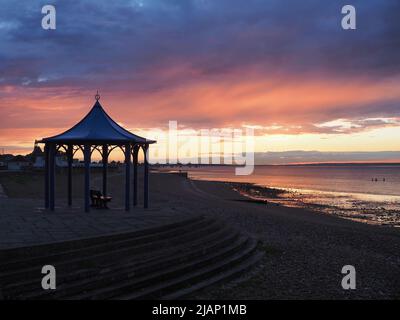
367	193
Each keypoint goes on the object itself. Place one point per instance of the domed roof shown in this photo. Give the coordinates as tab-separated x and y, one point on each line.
97	127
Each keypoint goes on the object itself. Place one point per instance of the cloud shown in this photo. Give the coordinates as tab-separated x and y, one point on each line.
286	66
122	39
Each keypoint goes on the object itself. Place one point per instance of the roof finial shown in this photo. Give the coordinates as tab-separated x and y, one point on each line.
97	96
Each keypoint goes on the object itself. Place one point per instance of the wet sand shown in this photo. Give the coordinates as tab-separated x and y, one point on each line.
341	206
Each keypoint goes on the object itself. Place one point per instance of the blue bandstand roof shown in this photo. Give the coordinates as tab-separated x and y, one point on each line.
97	127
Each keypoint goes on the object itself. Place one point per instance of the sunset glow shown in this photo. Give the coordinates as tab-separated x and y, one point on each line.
299	80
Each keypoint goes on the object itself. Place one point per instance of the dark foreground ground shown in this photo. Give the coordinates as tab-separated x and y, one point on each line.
305	251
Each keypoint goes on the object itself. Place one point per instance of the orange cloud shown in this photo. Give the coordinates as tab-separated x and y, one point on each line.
288	104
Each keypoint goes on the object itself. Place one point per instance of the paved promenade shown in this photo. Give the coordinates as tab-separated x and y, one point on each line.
23	222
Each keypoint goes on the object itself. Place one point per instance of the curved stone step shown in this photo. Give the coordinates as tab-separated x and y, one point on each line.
104	243
160	263
223	276
105	257
137	285
187	279
24	253
138	267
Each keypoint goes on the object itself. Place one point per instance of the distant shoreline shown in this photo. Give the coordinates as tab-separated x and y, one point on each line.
340	164
325	164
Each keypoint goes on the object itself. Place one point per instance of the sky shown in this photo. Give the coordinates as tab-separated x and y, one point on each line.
285	68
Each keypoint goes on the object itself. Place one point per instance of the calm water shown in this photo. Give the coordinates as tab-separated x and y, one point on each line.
350	191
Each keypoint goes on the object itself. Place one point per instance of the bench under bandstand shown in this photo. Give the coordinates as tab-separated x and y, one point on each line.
96	131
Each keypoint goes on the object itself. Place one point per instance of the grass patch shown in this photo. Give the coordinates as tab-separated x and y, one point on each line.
21	184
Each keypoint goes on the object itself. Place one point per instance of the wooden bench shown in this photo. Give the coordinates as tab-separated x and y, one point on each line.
98	200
